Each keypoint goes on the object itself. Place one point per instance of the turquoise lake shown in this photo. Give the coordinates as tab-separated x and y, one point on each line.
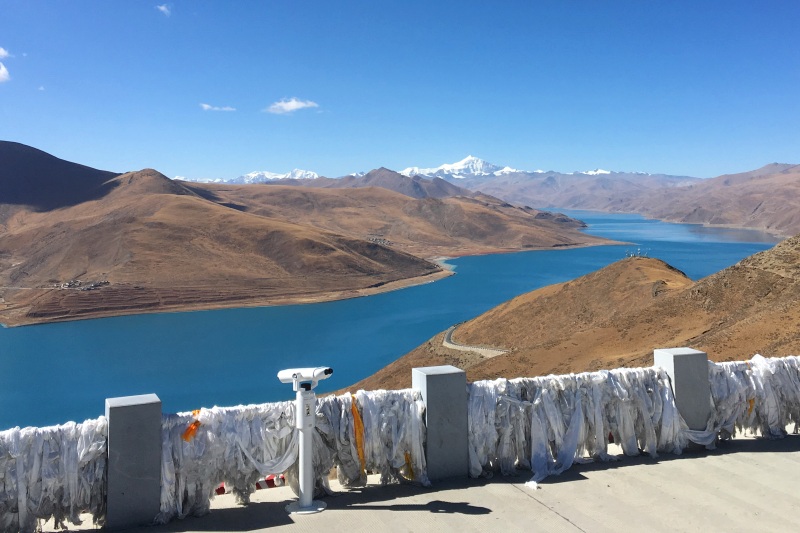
54	373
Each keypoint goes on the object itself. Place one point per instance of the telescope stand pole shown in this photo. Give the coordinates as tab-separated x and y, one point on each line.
305	420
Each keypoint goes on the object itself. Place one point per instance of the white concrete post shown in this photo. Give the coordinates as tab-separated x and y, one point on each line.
134	461
688	371
444	391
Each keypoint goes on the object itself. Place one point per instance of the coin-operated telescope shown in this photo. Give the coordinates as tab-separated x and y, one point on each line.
304	381
298	376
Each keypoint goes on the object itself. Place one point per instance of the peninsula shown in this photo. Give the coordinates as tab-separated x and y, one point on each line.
77	242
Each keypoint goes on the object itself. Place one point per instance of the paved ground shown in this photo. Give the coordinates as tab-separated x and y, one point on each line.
744	485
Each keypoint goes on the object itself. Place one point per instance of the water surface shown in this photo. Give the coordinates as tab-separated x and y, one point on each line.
53	373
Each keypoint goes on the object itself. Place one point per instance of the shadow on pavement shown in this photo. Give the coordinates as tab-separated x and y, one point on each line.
790	443
252	517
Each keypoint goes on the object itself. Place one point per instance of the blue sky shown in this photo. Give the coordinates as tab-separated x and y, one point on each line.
694	88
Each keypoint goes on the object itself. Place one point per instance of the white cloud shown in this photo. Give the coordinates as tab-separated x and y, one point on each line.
207	107
165	8
4	75
289	105
41	87
4	53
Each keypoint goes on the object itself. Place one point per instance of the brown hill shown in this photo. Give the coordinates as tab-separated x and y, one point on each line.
599	192
161	246
426	227
766	199
139	241
39	181
619	314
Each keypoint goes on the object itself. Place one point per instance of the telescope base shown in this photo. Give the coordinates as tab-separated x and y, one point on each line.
315	507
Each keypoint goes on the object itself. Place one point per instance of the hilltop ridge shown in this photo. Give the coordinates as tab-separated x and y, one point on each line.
37	180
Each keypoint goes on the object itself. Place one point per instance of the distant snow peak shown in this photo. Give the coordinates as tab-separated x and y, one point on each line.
297	174
596	172
264	176
199	180
506	170
469	166
410	171
258	177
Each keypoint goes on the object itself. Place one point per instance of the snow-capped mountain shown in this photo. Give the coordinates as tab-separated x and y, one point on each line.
259	177
596	172
263	176
471	167
467	167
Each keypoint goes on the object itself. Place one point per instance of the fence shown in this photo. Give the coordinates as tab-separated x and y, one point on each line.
60	472
542	424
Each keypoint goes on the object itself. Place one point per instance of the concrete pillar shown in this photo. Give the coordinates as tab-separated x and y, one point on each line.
134	460
444	391
688	371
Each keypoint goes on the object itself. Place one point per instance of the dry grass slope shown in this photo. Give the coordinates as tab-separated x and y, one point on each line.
161	246
619	314
142	242
767	199
427	227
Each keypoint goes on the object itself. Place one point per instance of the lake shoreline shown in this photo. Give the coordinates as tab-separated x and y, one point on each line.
230	356
277	300
268	301
776	235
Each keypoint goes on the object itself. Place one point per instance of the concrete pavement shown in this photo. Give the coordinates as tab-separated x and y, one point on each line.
744	485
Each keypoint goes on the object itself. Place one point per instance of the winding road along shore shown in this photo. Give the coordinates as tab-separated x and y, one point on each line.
447	342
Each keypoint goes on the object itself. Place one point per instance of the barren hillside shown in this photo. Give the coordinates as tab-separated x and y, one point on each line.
415	187
766	199
35	180
77	242
151	244
427	227
619	314
599	192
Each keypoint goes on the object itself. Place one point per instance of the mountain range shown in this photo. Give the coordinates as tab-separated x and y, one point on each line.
427	218
413	186
468	167
77	242
766	199
261	177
